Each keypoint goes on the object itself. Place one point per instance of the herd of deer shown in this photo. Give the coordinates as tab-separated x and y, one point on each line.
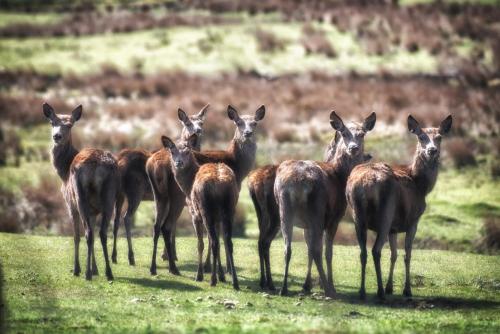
308	194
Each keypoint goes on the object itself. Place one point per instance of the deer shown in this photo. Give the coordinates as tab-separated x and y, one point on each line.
240	157
212	193
90	183
261	189
135	182
311	195
391	199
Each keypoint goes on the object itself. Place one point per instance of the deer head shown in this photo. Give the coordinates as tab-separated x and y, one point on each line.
182	156
61	124
429	139
350	138
246	124
192	124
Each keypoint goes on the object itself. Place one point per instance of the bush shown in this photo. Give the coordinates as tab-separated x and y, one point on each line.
315	42
489	242
460	152
269	42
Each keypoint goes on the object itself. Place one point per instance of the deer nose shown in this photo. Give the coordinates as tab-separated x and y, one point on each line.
57	136
198	131
247	133
353	148
432	150
178	164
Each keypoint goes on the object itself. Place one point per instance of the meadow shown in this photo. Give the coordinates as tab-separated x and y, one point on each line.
133	63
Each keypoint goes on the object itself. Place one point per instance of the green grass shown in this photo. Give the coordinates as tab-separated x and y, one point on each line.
453	292
210	50
8	18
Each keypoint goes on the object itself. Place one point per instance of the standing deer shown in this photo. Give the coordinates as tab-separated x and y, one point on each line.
135	183
311	195
240	157
261	188
212	193
390	200
91	182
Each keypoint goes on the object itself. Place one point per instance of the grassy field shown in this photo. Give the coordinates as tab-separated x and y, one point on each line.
453	292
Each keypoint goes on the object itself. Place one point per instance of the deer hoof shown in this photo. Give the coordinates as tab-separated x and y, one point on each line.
199	277
271	287
152	270
362	294
381	294
76	271
284	292
109	275
306	287
88	275
175	272
131	259
236	286
213	282
388	290
407	293
113	258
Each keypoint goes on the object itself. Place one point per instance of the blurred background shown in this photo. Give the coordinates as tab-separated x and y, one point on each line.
133	63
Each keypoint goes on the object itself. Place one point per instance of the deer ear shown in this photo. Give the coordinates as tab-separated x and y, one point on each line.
369	122
192	140
413	125
260	113
76	113
202	112
49	112
336	122
183	117
445	125
232	113
167	143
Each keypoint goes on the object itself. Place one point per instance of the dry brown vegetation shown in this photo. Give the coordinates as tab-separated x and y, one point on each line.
461	152
489	242
267	41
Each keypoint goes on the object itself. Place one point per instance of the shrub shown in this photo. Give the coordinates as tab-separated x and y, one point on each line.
489	242
460	152
269	42
315	41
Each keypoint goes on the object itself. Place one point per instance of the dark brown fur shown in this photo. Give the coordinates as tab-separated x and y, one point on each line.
212	194
390	200
311	195
90	184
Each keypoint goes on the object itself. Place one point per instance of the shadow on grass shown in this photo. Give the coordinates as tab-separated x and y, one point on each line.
166	284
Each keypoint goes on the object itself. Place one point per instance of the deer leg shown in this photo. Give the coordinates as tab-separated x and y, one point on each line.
174	248
208	265
307	286
161	214
116	225
213	237
167	237
410	235
361	236
220	268
227	225
263	281
393	243
267	246
104	242
262	233
76	240
316	250
89	235
197	223
376	253
330	235
133	204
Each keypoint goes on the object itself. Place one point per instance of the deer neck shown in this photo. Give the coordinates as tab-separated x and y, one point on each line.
185	177
243	152
62	157
343	164
424	173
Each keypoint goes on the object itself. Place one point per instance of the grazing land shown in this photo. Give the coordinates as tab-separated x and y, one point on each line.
453	292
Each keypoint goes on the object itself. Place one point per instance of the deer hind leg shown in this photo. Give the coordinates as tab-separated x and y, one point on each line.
167	237
315	248
215	248
410	236
329	236
198	227
393	243
108	197
88	221
133	199
384	217
177	203
162	206
227	224
262	233
75	217
360	226
307	286
286	220
267	246
116	224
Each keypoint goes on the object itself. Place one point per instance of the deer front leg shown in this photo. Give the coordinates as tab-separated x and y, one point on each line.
393	243
410	236
197	223
307	286
89	234
116	225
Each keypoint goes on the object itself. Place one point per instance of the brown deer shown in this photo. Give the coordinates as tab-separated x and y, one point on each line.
135	183
311	195
261	188
91	181
240	157
212	193
390	200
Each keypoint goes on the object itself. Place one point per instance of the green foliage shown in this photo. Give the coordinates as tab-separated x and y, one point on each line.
453	293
